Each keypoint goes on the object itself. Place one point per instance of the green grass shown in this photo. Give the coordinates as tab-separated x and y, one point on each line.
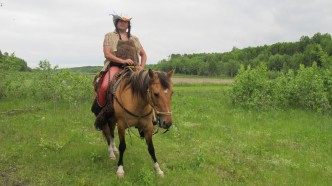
210	143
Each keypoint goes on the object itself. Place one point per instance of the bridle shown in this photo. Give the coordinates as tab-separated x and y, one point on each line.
157	113
150	101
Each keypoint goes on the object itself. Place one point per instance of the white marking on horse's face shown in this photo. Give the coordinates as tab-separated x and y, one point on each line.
165	91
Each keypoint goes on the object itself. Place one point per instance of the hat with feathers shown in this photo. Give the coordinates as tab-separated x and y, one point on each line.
122	18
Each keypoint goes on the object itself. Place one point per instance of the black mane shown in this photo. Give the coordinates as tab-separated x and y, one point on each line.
140	81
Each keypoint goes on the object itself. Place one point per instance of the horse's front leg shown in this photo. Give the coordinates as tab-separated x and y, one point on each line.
148	138
122	147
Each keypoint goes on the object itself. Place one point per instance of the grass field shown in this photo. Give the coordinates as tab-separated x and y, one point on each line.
211	143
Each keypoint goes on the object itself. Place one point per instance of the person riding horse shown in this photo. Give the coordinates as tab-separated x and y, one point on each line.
121	49
140	96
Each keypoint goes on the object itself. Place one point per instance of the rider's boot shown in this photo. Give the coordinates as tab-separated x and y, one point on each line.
96	108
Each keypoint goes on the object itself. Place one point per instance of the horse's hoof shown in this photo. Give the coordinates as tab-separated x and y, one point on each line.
112	157
120	172
162	175
159	171
120	175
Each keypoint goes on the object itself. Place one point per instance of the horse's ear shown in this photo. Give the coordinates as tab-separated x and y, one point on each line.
151	73
170	73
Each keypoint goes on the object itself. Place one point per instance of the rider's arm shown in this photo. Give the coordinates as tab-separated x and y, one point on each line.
143	57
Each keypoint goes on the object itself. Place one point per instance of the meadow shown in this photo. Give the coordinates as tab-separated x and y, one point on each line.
211	142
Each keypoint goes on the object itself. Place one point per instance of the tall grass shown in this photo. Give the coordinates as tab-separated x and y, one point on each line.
211	143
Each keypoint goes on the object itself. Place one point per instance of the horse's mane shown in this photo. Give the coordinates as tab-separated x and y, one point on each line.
140	81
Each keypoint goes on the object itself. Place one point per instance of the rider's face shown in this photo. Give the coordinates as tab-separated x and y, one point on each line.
122	25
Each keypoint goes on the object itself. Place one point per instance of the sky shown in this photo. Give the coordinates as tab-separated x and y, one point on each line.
70	33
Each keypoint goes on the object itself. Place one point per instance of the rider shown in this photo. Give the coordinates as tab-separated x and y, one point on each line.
121	49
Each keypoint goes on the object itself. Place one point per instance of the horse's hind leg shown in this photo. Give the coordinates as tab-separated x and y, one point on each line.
112	146
148	138
107	132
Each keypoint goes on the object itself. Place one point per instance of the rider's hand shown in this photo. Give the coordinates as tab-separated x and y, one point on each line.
139	68
129	62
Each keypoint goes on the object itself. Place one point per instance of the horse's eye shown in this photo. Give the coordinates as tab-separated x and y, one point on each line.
156	94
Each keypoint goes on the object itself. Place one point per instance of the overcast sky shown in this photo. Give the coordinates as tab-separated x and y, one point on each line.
70	33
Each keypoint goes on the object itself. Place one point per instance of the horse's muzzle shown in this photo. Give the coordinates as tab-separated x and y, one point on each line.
163	121
164	124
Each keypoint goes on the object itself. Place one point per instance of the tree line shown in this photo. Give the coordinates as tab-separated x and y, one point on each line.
279	57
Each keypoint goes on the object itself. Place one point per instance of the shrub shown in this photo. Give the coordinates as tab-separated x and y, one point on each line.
48	85
62	85
252	88
310	89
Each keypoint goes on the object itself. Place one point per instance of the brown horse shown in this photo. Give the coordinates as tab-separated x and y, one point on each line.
140	96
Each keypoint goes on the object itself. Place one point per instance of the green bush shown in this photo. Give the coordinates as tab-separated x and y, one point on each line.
62	85
328	84
252	88
49	85
309	89
14	84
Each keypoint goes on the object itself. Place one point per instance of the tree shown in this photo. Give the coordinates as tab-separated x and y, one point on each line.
304	41
44	65
231	68
213	70
315	53
275	62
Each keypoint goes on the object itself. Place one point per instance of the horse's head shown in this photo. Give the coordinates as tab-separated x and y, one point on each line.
161	91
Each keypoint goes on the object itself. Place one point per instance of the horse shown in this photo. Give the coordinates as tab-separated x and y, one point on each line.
141	96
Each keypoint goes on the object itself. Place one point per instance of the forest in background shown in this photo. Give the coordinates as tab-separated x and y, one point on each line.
279	57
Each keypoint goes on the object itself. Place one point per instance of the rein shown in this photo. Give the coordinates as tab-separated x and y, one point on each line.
132	114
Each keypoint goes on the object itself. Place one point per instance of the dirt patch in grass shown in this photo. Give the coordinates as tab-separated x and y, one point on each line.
181	80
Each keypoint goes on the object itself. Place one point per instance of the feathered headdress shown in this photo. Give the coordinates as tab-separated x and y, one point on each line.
117	17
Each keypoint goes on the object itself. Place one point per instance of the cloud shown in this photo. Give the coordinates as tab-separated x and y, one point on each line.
71	33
